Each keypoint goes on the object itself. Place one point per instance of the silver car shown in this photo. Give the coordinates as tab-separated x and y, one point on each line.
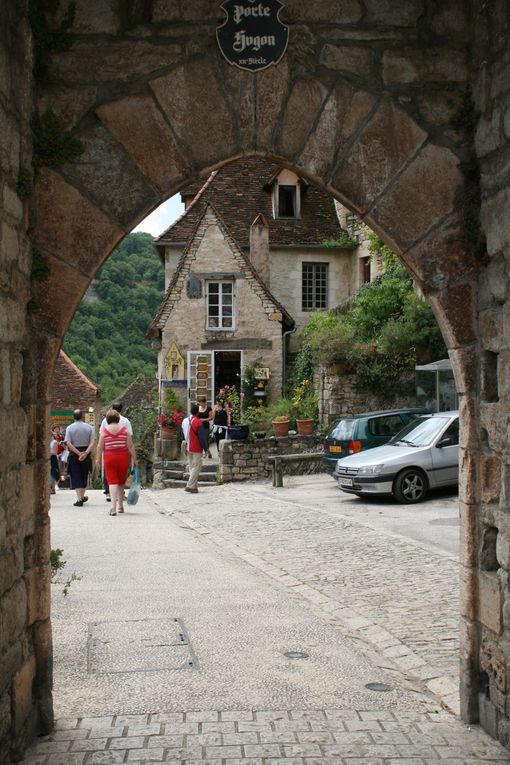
424	455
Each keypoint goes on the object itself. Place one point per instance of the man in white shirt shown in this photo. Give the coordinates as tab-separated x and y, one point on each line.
117	405
79	439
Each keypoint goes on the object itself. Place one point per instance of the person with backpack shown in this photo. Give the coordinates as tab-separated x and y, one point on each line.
197	447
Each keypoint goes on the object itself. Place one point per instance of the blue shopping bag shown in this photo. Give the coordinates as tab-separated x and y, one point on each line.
134	491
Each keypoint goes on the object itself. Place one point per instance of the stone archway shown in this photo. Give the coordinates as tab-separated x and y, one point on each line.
370	120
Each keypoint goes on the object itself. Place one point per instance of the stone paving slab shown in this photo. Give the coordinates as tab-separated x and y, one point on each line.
405	603
280	737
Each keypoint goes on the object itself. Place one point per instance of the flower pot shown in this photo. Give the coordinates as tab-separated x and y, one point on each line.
238	432
166	433
281	428
305	426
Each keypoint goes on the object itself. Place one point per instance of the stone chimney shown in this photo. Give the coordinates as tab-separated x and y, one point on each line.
259	247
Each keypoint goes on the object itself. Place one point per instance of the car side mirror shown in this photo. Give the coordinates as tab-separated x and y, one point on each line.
446	441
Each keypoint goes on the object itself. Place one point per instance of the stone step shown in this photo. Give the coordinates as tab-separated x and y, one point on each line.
175	484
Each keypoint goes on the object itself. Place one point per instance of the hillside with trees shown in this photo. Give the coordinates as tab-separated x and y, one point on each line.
106	338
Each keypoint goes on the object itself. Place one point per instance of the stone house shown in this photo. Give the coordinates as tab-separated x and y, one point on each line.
245	265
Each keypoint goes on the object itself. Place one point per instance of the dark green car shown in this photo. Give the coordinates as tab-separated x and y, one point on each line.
350	435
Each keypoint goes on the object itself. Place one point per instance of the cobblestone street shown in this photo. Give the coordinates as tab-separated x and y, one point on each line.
252	577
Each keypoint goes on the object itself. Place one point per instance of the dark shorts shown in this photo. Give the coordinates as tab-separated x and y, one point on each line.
79	471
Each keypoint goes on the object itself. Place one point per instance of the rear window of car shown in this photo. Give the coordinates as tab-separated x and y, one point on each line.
385	426
343	430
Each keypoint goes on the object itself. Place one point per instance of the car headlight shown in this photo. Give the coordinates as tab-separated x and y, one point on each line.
370	469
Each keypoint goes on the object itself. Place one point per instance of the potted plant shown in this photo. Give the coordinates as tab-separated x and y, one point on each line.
238	430
281	424
280	414
169	423
305	408
257	417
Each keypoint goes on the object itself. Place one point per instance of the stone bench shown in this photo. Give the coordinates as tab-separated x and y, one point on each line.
278	463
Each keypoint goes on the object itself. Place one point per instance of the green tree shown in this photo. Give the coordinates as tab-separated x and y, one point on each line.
106	338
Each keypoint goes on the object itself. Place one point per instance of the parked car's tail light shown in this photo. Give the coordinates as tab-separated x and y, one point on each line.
354	447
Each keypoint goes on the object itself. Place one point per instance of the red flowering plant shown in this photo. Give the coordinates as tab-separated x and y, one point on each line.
171	415
171	419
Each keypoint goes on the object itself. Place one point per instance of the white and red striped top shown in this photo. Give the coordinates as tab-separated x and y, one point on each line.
115	442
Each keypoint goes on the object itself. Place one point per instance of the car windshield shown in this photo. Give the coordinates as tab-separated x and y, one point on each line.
343	430
420	433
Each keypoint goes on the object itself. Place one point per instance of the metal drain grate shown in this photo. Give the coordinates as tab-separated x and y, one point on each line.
139	645
296	655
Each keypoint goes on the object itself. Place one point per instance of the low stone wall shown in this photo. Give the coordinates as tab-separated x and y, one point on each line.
242	460
339	395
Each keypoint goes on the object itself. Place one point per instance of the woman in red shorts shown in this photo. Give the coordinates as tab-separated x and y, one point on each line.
116	444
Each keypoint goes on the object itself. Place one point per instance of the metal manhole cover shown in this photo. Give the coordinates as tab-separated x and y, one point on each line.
296	655
139	645
379	687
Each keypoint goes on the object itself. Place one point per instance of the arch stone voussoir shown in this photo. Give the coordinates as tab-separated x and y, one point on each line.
455	309
442	258
192	100
305	101
343	113
383	148
108	176
139	126
272	86
422	196
70	226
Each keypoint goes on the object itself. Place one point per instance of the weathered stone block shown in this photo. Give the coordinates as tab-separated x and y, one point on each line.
389	13
407	209
119	61
69	104
490	477
346	58
343	112
495	220
489	594
134	195
306	99
433	65
13	610
70	226
468	478
37	582
199	115
469	539
139	126
457	306
22	694
349	11
389	139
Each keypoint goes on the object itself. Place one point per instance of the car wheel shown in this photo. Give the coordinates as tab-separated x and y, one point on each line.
410	486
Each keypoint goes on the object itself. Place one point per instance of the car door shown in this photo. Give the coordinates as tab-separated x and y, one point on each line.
382	428
445	456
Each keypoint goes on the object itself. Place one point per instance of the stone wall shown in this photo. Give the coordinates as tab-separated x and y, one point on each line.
25	634
485	462
250	459
339	394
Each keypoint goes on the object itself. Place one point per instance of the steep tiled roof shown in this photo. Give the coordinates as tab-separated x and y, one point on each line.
71	388
240	191
177	283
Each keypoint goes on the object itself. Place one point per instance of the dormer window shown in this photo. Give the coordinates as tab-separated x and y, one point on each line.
287	195
287	199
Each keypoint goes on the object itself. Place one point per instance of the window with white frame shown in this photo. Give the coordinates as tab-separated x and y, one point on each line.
314	286
220	305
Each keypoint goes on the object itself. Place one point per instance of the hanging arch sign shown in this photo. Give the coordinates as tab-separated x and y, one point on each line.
252	37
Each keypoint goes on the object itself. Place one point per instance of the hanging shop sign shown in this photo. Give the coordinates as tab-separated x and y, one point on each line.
252	37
